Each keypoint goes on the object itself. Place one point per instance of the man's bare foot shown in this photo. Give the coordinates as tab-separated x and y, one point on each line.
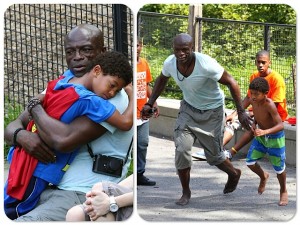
283	199
184	200
232	182
262	184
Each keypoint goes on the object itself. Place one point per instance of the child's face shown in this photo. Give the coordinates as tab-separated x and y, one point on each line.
257	96
262	63
107	86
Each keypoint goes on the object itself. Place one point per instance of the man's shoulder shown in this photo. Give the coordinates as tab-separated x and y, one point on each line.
119	98
200	55
170	59
121	101
205	59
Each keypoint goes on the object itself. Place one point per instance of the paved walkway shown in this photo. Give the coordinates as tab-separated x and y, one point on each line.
208	203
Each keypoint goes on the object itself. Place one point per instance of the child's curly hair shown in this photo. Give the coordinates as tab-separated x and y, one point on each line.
259	84
115	64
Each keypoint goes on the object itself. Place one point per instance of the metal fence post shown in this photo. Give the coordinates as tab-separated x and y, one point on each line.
267	37
120	28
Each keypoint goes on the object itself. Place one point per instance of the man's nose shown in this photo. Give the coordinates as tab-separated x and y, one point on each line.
78	54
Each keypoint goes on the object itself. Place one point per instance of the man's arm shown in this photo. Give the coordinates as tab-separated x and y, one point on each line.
231	83
245	104
65	137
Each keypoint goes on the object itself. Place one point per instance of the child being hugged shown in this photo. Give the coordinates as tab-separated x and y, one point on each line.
67	98
269	138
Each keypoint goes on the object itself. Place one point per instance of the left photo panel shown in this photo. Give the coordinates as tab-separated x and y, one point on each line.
68	112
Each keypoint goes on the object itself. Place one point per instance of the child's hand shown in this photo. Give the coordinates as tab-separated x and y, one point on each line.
129	89
260	132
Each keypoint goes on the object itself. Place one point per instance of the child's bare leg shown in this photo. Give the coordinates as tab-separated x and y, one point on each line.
283	191
263	177
76	213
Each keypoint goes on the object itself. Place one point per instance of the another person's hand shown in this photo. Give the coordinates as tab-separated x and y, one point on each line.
34	146
97	204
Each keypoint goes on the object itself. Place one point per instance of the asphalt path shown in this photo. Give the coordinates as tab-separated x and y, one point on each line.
208	203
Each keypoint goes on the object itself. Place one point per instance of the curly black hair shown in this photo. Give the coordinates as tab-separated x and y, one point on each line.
259	84
115	64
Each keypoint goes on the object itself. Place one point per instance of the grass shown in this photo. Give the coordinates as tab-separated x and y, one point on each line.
130	169
156	56
11	112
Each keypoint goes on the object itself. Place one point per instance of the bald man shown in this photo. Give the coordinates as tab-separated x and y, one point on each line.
201	113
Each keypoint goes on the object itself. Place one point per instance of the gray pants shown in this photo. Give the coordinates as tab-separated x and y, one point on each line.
206	126
54	205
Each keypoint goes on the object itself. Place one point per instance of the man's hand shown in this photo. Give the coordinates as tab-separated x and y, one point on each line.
34	146
148	111
156	110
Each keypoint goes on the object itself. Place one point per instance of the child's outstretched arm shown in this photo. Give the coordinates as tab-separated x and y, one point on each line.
124	121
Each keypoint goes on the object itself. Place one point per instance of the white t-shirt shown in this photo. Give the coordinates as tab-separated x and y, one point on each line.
79	176
201	89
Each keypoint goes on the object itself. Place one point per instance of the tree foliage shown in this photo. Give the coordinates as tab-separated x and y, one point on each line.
270	13
232	43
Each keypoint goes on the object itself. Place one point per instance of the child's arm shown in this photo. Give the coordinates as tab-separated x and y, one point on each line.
272	110
124	121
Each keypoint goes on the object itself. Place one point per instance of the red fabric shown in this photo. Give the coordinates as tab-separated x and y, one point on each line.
56	102
21	170
23	165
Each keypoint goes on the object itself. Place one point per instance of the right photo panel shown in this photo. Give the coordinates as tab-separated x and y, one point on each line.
216	112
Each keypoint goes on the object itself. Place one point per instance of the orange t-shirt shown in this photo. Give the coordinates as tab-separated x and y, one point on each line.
277	91
143	78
